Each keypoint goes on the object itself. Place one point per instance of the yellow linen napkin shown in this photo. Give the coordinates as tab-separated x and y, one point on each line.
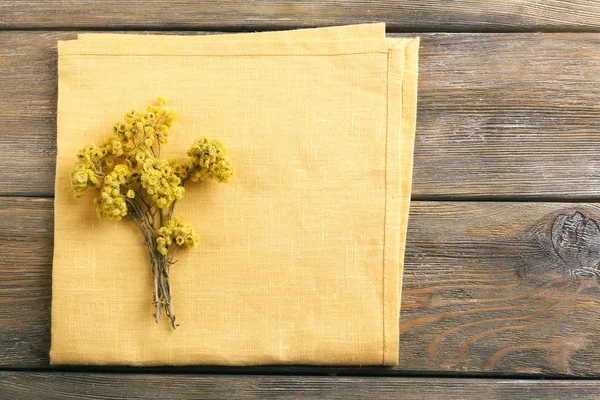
300	259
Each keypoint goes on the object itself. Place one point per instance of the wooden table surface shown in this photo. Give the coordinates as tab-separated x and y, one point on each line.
501	298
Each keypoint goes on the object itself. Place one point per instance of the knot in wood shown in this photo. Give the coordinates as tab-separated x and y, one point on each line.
576	240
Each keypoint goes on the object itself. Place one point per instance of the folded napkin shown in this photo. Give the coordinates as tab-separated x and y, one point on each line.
300	258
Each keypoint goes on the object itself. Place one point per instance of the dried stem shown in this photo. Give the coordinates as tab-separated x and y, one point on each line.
160	264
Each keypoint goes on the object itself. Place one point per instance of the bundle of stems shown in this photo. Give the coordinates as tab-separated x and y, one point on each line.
149	220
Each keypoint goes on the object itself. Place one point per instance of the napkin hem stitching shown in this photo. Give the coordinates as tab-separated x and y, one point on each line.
385	207
222	55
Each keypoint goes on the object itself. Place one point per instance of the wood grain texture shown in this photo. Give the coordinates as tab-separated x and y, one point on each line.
502	287
499	115
33	385
28	86
494	288
400	15
508	116
26	242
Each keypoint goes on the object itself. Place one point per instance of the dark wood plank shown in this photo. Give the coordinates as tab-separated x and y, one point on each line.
495	288
32	385
500	115
28	87
26	242
508	116
402	15
502	287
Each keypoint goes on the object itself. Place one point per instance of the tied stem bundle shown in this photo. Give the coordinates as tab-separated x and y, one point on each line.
134	181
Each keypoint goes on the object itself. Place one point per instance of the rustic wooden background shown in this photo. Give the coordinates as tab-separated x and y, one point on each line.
501	280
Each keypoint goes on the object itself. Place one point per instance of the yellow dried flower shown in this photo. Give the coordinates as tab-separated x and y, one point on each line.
175	233
80	177
209	160
111	203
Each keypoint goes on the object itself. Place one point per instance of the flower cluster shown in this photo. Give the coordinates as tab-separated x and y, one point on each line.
160	182
85	173
181	170
209	160
143	129
111	202
130	159
175	233
113	148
